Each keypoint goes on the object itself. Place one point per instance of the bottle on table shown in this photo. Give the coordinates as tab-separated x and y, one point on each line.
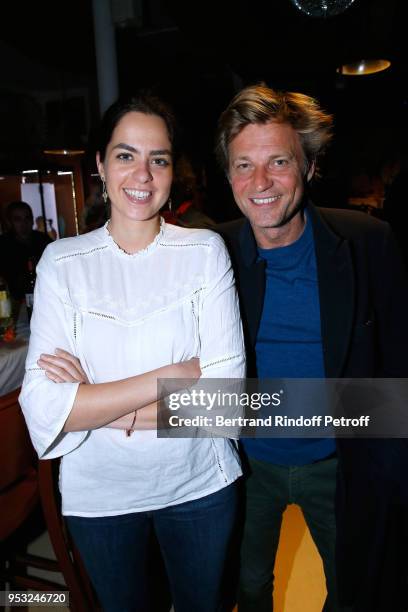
6	319
29	286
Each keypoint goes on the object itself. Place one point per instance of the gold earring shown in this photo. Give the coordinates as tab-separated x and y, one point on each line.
104	190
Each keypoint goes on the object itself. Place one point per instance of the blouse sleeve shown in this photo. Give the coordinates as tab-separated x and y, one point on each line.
222	353
45	404
222	356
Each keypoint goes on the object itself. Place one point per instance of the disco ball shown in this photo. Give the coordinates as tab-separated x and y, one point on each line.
322	8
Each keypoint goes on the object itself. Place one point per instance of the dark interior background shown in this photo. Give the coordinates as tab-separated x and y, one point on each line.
197	55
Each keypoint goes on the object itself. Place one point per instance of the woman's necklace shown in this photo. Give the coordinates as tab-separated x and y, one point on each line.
118	245
161	228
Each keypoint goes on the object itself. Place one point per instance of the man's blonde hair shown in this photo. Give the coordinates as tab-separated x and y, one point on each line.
260	104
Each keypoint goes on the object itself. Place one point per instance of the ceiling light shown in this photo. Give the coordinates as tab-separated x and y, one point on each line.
364	67
63	152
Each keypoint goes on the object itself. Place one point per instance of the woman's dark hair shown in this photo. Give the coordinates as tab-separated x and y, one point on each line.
143	103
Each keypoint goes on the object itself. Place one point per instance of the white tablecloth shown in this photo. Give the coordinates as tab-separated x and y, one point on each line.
13	355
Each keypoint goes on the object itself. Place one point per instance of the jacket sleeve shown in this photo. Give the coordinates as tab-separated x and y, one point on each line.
392	301
45	404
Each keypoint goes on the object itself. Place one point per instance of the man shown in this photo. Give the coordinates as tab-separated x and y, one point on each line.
321	295
186	207
19	245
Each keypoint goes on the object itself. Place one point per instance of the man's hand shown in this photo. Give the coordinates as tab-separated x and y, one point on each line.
63	367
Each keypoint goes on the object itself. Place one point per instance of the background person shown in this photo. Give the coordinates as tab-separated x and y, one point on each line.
131	302
188	196
18	245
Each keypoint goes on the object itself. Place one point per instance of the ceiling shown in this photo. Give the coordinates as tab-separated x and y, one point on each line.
255	38
197	54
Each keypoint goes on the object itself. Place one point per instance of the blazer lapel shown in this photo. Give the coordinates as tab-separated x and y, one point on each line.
336	293
252	282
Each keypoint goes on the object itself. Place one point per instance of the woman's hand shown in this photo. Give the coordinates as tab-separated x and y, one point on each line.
63	367
188	369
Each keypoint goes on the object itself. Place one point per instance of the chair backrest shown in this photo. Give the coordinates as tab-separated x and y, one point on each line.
18	478
24	481
17	455
82	595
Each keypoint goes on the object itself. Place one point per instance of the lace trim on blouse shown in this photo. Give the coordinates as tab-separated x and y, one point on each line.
89	252
114	245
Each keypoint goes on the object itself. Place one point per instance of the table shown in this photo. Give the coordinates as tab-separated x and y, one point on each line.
13	355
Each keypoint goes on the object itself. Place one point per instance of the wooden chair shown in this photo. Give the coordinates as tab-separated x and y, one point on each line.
24	482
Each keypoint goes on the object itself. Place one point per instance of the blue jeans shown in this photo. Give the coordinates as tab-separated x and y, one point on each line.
269	489
194	539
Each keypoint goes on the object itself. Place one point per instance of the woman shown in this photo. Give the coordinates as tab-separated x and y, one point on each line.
134	301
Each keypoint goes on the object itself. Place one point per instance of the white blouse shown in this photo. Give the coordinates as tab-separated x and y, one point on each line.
124	315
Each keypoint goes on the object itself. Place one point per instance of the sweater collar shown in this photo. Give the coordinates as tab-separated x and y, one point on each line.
247	241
